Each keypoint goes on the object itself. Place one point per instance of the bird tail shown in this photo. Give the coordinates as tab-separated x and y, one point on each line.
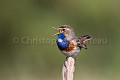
82	41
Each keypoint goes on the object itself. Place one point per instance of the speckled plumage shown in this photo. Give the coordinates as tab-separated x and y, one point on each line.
69	44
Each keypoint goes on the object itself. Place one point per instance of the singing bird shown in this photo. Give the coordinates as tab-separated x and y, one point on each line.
68	43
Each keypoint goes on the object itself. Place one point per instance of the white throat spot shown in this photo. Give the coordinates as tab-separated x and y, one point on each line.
60	40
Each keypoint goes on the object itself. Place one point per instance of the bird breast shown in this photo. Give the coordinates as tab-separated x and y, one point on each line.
62	43
65	45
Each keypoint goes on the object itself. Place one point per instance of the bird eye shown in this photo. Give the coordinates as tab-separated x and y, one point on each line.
63	29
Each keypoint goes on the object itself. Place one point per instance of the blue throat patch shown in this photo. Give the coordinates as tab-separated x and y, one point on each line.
62	42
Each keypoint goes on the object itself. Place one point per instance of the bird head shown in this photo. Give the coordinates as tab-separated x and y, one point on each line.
67	31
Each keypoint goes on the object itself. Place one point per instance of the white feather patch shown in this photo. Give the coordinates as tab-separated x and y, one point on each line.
60	40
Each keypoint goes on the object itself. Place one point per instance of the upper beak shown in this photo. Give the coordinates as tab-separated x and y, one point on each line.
57	33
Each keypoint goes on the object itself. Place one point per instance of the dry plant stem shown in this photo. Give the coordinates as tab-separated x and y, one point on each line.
68	69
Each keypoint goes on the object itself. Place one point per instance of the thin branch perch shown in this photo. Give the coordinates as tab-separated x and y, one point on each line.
68	69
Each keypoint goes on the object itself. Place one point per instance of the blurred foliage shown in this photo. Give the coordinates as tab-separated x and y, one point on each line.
34	19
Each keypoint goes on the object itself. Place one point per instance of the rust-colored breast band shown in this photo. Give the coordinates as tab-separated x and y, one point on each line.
70	48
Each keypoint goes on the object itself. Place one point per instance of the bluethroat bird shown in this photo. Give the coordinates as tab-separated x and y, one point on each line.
68	43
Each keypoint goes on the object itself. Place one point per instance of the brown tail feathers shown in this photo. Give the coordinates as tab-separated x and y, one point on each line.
81	41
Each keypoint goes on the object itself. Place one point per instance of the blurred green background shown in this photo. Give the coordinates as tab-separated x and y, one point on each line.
28	50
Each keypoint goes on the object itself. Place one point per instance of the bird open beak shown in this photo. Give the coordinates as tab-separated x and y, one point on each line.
57	33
